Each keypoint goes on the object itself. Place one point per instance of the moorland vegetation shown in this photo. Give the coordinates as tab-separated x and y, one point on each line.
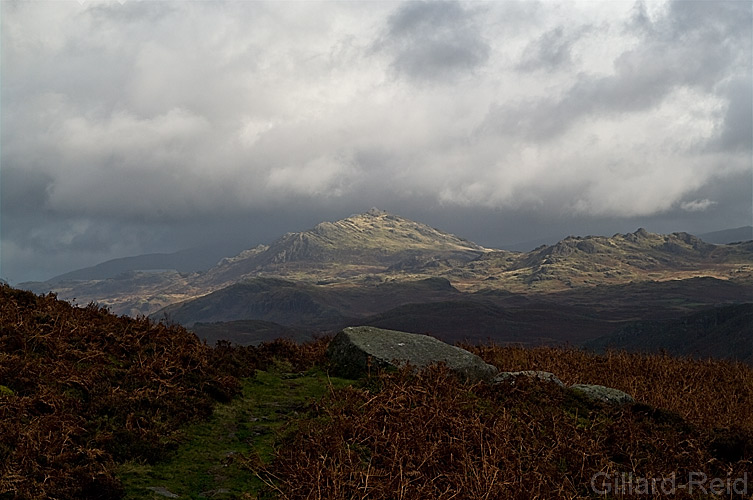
94	405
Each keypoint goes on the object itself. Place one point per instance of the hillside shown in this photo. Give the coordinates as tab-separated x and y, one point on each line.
434	306
301	304
94	406
428	436
81	389
721	332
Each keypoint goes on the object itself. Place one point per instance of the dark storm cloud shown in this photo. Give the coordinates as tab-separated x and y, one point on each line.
736	131
435	41
24	192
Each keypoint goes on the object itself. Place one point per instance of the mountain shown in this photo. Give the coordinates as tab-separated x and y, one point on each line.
587	261
186	261
364	248
527	246
727	236
720	332
386	270
372	242
135	293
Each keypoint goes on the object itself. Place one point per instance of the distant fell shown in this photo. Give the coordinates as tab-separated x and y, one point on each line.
726	236
374	248
369	242
587	261
184	261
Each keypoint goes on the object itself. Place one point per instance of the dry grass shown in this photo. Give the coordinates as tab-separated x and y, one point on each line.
82	388
708	393
426	435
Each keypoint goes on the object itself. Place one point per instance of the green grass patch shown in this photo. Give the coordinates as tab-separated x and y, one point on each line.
209	462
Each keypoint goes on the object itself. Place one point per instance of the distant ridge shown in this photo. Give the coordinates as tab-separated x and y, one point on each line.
727	236
365	250
184	261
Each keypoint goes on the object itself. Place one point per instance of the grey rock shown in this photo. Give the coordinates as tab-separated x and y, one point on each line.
511	377
163	491
354	348
604	394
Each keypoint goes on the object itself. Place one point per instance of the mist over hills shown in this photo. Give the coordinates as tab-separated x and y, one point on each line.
382	269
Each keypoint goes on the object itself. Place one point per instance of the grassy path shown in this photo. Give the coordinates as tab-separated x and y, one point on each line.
204	465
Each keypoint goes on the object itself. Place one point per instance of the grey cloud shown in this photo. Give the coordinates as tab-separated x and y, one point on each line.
691	47
731	198
435	41
130	12
697	205
552	50
736	133
639	20
714	21
24	192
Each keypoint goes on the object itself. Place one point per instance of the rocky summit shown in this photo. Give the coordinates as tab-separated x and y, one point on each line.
371	242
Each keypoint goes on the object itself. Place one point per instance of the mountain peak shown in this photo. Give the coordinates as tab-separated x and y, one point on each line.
375	212
373	241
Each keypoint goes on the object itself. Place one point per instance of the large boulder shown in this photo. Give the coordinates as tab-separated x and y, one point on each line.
355	348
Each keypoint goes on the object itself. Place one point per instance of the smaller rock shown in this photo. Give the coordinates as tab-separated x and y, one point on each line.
163	491
604	394
511	377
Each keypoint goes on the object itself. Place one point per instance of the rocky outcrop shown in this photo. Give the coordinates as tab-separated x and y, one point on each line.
598	393
355	349
603	394
512	377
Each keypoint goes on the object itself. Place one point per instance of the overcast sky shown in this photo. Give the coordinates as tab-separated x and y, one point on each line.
131	127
